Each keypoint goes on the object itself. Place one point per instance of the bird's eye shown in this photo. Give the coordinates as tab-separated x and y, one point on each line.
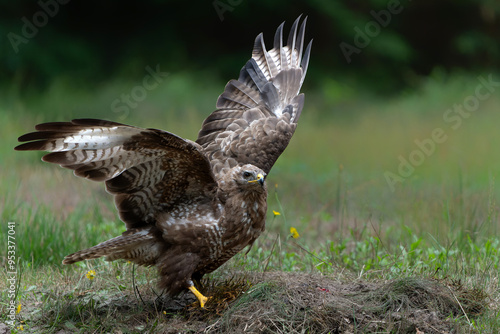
247	174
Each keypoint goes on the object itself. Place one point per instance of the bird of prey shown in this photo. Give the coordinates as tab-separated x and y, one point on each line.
190	206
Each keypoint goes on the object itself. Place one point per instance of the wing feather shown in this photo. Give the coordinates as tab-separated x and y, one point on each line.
149	171
257	114
238	95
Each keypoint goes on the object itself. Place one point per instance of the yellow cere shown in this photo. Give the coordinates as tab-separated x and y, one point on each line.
294	232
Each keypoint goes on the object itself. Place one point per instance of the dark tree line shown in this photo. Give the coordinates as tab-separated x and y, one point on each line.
379	43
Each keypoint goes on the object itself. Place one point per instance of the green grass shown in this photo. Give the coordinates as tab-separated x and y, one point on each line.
440	223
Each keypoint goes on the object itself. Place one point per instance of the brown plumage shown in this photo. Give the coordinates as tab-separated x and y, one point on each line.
190	206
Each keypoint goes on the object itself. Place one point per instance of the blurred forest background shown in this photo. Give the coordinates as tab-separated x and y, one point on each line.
86	43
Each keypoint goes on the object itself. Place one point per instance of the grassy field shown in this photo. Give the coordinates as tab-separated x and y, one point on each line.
385	245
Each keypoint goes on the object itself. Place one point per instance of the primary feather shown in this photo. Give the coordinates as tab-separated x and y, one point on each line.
258	113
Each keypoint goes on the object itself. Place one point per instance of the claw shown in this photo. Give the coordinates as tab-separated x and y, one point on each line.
198	295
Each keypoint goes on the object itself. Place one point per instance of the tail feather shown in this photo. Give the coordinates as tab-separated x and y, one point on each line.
129	246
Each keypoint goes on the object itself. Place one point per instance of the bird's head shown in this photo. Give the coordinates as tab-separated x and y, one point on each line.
248	177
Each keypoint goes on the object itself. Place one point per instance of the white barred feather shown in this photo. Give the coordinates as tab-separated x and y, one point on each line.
268	88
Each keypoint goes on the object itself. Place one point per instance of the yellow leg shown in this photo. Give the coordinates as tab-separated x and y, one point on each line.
198	295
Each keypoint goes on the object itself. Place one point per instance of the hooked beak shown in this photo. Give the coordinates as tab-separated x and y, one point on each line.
260	179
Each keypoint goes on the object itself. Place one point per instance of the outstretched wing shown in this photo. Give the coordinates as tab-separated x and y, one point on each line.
258	113
149	171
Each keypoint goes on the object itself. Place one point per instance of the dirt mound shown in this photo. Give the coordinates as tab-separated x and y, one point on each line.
299	303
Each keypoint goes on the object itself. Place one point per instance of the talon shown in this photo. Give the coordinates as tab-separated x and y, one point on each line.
198	295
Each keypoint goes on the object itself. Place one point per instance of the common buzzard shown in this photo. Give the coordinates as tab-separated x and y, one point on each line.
190	206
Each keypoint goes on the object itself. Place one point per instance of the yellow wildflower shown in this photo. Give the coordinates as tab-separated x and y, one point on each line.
276	213
20	327
90	274
18	309
294	232
164	312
